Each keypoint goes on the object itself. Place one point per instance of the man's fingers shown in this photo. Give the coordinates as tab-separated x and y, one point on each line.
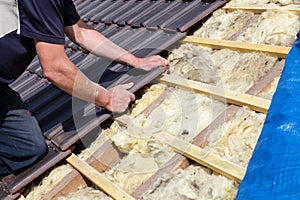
127	86
162	61
132	97
167	63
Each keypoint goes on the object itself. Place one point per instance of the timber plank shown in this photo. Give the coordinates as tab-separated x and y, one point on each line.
253	102
260	9
278	51
105	157
203	157
97	178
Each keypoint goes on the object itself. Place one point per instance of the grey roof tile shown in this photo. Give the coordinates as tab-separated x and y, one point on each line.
167	14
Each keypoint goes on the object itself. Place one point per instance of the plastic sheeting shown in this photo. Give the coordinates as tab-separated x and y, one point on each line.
274	169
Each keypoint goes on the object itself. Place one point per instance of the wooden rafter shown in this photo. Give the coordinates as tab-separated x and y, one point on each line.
278	51
228	96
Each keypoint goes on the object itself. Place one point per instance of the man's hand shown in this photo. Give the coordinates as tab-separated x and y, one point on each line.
151	62
120	97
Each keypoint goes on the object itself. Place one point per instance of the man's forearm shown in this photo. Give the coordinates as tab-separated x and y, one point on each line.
110	50
75	83
64	74
91	40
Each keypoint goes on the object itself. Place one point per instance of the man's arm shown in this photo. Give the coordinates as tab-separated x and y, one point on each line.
91	40
63	73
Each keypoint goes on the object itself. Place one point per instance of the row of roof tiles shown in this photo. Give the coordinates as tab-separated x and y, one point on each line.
172	15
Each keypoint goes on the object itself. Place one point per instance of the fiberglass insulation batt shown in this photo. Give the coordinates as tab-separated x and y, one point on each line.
236	139
193	183
182	114
272	27
224	68
274	3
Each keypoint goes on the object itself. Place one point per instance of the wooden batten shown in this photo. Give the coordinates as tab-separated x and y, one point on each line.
278	51
102	160
204	157
255	103
260	9
97	178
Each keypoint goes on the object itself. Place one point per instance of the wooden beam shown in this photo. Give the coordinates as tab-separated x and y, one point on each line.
204	157
260	9
228	96
278	51
97	178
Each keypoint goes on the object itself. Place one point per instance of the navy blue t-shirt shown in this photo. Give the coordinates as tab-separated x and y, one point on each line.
42	20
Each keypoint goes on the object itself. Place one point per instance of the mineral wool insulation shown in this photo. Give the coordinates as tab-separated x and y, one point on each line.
86	193
272	27
236	139
174	116
147	155
194	182
231	70
275	3
55	176
222	25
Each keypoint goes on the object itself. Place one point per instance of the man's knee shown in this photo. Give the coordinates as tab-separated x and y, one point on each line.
38	148
24	142
37	144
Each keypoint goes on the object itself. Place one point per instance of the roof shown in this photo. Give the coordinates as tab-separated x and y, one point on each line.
142	27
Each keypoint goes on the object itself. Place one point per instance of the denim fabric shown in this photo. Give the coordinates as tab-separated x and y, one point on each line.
21	139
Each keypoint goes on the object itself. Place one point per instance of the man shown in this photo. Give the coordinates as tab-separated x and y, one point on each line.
38	27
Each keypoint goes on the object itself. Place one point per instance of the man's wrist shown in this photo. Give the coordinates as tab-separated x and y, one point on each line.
130	59
102	96
136	62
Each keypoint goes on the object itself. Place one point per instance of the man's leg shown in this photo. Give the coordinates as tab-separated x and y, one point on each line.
21	139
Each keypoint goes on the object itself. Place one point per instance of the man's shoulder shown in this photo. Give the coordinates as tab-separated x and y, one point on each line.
43	20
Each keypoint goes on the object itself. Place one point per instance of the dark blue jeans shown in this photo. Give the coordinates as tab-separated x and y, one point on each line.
21	140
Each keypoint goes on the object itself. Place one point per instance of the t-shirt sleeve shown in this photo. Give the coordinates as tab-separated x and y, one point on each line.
44	20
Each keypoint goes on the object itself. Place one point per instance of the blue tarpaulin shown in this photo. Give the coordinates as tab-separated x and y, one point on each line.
274	169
